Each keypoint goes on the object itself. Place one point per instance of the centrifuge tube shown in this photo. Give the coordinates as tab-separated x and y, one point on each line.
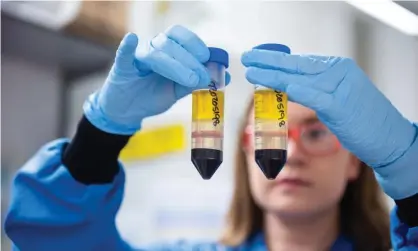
271	128
208	117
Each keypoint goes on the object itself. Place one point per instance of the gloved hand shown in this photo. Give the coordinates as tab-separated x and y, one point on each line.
147	81
345	100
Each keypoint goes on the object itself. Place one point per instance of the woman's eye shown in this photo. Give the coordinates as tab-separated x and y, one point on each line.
316	134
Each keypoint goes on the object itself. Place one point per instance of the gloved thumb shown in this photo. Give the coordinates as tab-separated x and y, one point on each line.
125	55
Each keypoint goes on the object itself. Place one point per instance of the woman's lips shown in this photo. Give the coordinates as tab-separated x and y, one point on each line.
293	182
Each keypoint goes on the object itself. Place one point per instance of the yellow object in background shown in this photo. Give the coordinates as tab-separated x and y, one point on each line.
155	142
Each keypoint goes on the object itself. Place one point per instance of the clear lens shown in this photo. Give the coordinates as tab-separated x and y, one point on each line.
317	139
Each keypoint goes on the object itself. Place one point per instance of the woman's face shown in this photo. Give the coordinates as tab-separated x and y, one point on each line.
316	172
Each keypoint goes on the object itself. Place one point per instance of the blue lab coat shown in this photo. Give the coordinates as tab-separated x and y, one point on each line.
51	211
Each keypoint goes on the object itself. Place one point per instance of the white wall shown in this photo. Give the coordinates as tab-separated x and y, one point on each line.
307	27
393	66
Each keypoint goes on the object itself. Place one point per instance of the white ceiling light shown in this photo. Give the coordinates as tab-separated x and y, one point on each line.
389	13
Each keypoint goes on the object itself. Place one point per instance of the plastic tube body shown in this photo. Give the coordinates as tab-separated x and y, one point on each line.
208	123
270	130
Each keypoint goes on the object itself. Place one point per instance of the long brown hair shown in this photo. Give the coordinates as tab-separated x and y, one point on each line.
364	214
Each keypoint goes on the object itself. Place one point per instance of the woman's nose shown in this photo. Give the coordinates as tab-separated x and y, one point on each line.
292	147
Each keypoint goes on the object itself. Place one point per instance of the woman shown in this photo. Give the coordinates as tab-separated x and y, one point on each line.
310	193
66	197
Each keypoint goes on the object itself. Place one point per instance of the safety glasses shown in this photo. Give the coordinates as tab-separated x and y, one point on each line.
314	139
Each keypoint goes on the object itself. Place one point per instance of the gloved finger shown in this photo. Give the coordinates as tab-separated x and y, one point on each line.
314	99
190	41
163	43
125	55
168	67
330	80
301	94
273	78
227	78
182	91
298	64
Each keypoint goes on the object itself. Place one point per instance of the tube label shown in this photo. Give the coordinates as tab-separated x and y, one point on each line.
281	107
216	119
208	105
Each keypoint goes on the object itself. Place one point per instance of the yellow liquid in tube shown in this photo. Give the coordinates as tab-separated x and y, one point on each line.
270	130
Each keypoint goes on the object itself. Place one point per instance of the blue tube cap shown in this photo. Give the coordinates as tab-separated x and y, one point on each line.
273	47
219	56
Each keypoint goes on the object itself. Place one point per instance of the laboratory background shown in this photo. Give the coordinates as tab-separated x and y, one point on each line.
53	54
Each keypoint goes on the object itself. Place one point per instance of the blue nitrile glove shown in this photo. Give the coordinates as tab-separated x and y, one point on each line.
348	103
147	81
